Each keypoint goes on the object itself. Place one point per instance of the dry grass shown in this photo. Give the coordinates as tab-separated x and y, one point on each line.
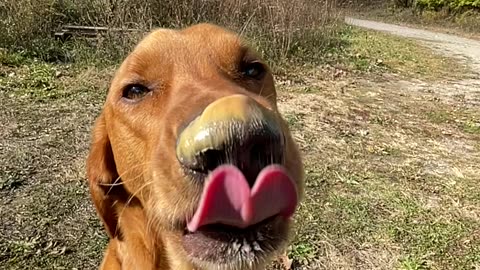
392	162
391	180
284	30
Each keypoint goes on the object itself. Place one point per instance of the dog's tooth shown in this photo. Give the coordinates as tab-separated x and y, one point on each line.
246	246
246	249
256	246
236	246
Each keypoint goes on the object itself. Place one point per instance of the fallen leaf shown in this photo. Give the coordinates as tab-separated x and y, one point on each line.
286	263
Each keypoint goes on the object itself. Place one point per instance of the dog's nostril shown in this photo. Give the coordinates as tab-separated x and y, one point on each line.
210	159
249	150
260	153
257	156
234	130
255	153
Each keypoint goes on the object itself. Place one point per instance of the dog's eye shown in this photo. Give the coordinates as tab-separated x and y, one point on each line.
135	91
254	70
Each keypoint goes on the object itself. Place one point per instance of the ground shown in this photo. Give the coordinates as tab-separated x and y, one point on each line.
390	137
464	23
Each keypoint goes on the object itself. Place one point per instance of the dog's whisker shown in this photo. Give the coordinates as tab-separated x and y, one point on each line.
261	90
125	205
117	180
131	197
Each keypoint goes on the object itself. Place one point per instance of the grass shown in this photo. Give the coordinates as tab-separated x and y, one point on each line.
367	52
392	171
472	126
382	52
371	207
391	167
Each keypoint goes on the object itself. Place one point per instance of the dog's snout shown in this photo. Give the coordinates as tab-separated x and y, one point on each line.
232	130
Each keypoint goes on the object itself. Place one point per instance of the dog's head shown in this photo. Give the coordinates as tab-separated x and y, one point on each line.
190	133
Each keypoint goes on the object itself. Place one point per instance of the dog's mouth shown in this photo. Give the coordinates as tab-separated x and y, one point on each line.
229	247
236	223
234	149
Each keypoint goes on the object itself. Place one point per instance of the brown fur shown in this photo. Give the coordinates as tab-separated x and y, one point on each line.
135	180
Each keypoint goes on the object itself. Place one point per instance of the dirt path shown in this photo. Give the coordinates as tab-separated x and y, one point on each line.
464	49
450	45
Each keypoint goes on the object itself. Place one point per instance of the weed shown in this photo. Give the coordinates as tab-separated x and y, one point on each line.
472	127
410	263
439	116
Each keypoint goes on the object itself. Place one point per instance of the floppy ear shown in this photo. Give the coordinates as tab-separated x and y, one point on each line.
101	174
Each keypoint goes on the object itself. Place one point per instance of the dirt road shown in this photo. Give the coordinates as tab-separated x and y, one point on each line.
449	45
464	49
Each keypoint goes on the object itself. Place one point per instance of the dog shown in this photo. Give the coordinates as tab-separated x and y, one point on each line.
191	165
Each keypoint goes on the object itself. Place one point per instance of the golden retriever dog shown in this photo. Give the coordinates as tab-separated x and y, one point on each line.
191	165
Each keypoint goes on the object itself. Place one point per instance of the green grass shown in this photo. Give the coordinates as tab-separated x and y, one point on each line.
12	59
282	30
439	116
373	51
294	120
410	263
360	52
472	126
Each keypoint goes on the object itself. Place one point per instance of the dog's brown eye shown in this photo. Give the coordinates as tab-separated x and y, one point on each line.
135	91
254	70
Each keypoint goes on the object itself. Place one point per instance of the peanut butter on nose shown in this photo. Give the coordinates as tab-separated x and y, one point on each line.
216	124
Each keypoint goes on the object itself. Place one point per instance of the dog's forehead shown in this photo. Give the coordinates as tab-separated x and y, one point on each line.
195	44
196	40
194	53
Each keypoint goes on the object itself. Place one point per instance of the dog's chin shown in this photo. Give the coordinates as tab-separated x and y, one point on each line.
218	246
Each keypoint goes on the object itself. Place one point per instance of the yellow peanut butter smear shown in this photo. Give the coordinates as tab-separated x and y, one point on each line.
217	124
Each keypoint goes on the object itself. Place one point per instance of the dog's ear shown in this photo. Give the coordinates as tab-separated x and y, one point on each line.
102	175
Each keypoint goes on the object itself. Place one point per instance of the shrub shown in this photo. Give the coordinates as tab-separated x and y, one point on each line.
450	4
285	29
403	3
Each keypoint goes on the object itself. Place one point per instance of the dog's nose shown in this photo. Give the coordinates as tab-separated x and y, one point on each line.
232	130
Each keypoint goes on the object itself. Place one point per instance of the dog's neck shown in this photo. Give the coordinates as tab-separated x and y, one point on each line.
138	248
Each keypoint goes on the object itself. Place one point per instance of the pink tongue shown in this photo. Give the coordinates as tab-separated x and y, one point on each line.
227	198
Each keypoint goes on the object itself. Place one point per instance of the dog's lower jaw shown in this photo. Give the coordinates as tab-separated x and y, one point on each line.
117	258
233	266
175	254
136	251
209	266
178	259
